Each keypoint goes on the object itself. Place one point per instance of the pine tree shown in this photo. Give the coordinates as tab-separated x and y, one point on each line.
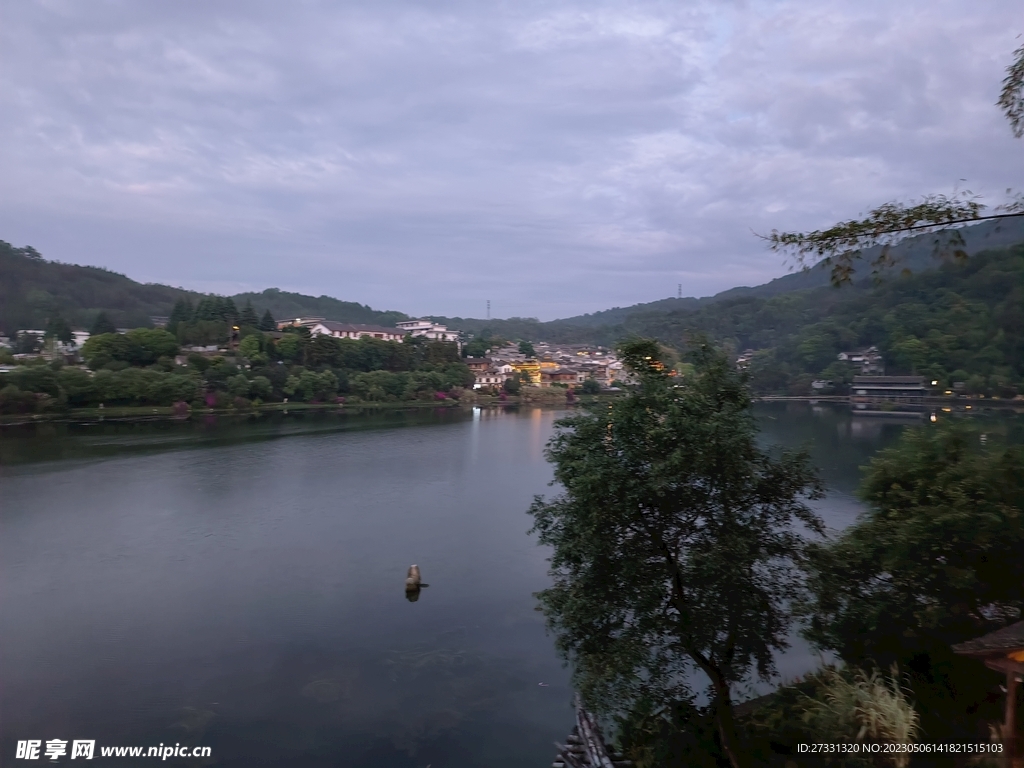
248	316
267	322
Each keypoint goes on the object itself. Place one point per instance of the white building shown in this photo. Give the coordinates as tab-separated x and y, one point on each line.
490	378
354	331
429	330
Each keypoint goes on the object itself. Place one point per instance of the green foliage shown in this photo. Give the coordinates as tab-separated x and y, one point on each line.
673	541
250	346
863	706
963	316
267	322
290	348
476	347
590	387
512	385
139	346
261	387
102	324
247	317
317	387
526	348
284	304
1011	98
935	561
839	246
31	389
33	289
59	329
238	385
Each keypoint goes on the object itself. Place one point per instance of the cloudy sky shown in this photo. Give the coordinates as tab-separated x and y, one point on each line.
555	158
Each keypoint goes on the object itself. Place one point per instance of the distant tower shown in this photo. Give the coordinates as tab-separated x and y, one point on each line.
488	309
679	294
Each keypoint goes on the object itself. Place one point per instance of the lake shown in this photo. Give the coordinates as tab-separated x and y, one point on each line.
238	583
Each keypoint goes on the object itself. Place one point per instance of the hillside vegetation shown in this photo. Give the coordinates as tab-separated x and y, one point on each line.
33	290
960	322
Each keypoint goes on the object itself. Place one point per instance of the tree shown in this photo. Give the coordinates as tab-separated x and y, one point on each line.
140	346
183	312
261	387
526	348
102	324
512	385
840	245
591	387
291	347
267	322
152	344
935	561
673	542
58	328
248	316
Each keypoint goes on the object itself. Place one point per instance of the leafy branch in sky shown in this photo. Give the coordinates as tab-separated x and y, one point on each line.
839	247
1011	98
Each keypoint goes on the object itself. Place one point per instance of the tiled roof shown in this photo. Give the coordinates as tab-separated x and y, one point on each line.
1005	639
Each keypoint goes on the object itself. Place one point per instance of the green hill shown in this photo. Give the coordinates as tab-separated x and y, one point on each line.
283	304
33	289
961	322
952	321
916	254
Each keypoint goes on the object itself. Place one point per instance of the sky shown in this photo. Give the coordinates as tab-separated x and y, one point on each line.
554	158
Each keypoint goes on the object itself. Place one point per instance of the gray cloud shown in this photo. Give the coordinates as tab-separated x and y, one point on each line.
554	158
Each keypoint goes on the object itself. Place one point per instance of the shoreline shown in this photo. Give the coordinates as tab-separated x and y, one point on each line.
169	413
132	413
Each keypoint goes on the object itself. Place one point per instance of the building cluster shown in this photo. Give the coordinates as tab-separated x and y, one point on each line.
50	347
426	329
869	361
552	364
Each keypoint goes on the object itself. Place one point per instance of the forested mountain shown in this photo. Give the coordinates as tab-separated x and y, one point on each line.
916	254
33	290
960	322
283	304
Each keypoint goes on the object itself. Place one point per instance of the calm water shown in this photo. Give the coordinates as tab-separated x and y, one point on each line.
238	584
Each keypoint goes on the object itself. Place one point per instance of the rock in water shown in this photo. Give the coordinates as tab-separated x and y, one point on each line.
412	581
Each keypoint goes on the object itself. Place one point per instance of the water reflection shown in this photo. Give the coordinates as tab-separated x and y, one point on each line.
235	583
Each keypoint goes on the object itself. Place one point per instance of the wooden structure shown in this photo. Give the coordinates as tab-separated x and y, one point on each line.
887	389
1003	651
585	747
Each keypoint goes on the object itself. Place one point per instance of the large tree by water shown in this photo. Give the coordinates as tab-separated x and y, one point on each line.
675	542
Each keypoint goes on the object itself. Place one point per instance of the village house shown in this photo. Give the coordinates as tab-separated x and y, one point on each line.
528	369
744	358
299	322
428	330
354	331
490	378
869	360
567	376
